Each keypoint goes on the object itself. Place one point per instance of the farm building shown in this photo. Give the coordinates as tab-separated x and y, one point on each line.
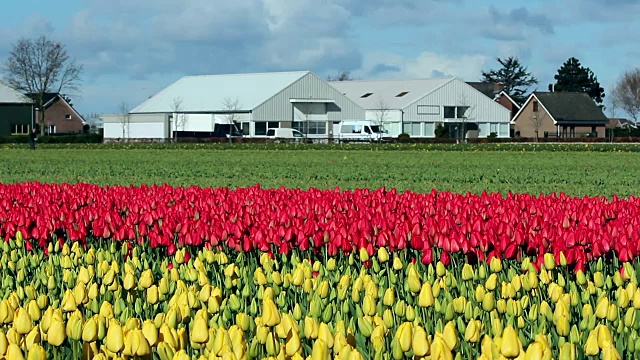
416	107
237	104
16	112
559	114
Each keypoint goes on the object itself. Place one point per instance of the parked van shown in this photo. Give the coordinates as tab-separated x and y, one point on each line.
362	130
284	133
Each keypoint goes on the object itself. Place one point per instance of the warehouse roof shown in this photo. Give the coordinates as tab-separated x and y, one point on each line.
208	93
397	94
9	95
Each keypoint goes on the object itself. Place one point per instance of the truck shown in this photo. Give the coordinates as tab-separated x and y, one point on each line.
286	134
360	130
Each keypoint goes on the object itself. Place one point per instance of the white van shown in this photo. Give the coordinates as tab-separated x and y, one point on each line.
284	133
367	130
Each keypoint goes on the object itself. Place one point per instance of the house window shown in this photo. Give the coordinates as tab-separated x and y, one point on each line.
412	128
314	127
428	110
461	111
535	106
68	116
449	112
244	126
402	94
19	129
261	127
366	95
455	112
51	129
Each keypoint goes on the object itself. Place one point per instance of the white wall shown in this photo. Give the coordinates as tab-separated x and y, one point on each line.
206	122
140	126
315	111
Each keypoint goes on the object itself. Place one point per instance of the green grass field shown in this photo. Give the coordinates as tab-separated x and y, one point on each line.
575	173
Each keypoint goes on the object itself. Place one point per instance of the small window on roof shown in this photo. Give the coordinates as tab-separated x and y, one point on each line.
366	95
402	94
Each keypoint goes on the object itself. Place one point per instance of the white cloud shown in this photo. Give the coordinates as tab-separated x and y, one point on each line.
425	65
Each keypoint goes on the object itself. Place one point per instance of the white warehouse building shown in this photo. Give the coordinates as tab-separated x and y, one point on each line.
417	106
208	105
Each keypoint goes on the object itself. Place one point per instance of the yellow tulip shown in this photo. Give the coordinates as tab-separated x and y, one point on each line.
90	330
200	330
510	346
129	281
310	328
37	352
397	263
22	321
495	264
450	336
292	343
602	308
324	333
420	342
549	261
331	264
56	333
33	338
472	332
272	345
425	298
389	297
404	334
467	272
165	351
364	256
383	255
270	313
74	326
378	338
369	305
413	280
34	310
69	302
492	282
146	279
4	343
14	352
115	337
150	332
439	349
567	352
598	279
320	351
534	351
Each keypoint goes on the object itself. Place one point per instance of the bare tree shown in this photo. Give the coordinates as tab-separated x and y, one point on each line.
180	119
341	76
123	110
39	66
465	112
626	93
382	111
231	107
536	121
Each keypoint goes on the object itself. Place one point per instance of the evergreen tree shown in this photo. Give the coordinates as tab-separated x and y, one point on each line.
514	78
574	77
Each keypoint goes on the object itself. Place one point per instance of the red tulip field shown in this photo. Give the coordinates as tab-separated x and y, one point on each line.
369	272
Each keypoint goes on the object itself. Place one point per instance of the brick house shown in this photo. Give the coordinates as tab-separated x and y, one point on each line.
505	100
559	114
494	91
60	116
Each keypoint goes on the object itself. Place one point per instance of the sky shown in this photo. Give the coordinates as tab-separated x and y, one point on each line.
131	50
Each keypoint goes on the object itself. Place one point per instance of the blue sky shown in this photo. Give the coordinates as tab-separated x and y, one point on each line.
132	49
